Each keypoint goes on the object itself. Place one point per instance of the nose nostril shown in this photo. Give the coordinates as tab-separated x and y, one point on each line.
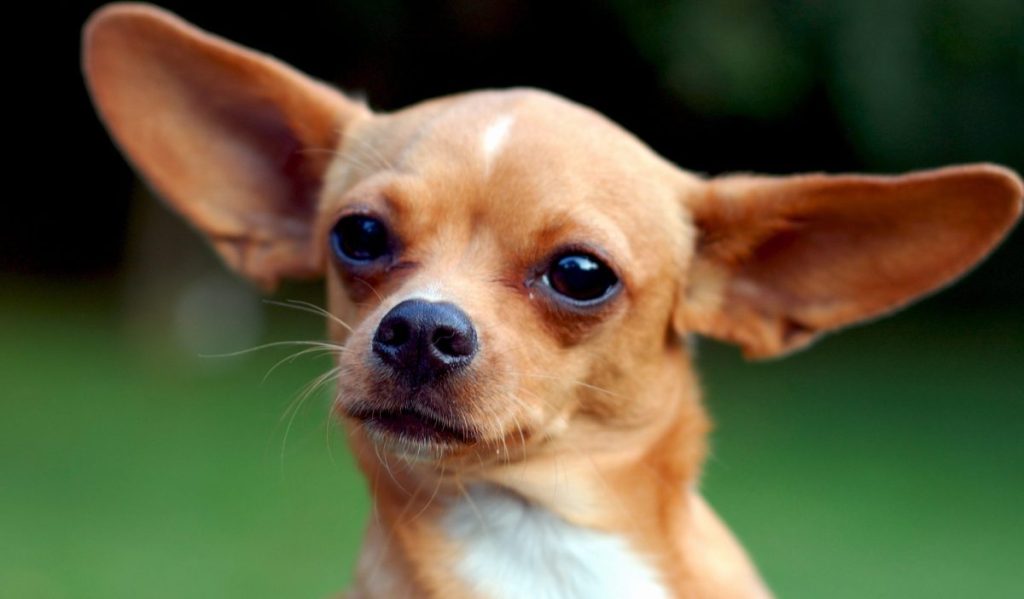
395	333
452	342
442	339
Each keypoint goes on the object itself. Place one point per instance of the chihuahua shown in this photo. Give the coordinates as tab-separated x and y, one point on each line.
511	279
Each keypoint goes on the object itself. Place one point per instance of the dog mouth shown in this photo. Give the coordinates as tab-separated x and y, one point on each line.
412	424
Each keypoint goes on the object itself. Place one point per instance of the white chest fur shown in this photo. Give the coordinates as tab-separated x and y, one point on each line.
512	549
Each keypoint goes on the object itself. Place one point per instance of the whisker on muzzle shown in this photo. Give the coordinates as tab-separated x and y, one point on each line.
295	406
320	344
575	382
311	308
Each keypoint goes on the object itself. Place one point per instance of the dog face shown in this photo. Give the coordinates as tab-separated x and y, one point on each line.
510	272
513	261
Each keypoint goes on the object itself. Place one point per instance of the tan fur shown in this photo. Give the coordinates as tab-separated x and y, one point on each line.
596	416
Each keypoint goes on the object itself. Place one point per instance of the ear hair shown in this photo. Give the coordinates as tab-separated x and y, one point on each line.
236	141
781	260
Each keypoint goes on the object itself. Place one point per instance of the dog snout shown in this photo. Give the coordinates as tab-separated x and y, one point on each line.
422	340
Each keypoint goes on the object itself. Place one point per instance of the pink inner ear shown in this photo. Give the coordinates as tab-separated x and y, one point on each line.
262	130
822	271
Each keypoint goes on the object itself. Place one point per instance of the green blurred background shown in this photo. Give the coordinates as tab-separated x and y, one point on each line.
886	462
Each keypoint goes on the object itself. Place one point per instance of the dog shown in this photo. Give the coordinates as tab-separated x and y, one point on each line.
511	280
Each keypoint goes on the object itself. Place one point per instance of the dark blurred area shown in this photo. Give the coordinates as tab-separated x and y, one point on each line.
742	85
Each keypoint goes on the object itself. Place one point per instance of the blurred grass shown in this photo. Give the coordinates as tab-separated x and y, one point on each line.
128	471
886	462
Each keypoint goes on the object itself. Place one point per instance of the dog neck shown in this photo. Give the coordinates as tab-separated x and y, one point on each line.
562	524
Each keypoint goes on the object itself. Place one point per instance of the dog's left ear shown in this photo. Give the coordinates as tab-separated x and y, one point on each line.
781	260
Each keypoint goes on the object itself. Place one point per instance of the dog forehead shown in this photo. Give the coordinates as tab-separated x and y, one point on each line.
523	147
518	126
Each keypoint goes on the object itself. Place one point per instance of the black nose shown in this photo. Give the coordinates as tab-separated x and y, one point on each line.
424	340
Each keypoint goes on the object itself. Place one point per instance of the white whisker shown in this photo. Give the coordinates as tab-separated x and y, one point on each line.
311	308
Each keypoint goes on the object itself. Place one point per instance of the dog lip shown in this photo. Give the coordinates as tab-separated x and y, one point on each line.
412	424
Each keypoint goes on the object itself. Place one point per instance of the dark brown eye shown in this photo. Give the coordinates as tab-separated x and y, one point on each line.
581	277
360	238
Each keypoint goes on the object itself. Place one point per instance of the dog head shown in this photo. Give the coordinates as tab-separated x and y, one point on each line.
511	273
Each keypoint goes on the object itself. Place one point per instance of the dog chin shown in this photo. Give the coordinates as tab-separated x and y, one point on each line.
410	449
414	433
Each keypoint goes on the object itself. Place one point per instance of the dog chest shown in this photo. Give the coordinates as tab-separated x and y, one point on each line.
512	549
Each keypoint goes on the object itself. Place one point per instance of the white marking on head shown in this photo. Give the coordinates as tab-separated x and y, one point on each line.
512	548
494	137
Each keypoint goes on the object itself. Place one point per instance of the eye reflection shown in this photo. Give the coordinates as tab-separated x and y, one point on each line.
580	277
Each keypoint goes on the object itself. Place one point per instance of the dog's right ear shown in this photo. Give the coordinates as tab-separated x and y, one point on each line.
236	141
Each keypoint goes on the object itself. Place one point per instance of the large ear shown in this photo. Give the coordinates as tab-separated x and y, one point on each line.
236	141
781	260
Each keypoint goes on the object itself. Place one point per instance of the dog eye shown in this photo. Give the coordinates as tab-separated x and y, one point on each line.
580	277
360	238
